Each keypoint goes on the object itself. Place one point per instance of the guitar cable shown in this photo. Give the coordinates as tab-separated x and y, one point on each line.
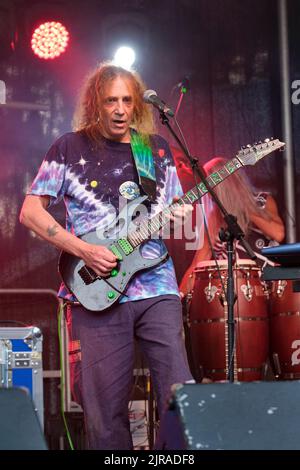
60	314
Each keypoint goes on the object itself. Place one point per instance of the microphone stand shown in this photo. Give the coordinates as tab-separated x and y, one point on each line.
232	232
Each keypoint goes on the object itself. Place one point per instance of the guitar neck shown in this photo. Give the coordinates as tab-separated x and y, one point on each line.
154	224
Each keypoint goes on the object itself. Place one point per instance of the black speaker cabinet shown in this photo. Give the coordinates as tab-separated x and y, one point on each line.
232	416
19	425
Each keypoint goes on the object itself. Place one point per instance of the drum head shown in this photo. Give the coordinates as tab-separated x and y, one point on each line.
223	264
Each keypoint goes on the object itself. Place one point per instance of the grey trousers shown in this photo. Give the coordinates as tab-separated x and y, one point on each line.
102	361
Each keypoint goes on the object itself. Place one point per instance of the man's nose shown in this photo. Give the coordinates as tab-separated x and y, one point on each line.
120	108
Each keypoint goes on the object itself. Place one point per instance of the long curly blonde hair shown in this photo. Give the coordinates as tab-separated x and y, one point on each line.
237	195
88	113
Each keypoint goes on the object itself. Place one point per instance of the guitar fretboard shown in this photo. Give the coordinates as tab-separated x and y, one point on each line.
150	226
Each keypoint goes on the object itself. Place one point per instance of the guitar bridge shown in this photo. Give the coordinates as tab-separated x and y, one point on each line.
87	275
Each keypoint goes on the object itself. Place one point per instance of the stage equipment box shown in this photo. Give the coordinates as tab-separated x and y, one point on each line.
21	363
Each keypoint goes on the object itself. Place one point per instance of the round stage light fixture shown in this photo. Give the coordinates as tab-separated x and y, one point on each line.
124	57
49	40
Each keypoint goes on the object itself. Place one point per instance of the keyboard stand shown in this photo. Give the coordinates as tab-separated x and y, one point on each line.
274	273
278	273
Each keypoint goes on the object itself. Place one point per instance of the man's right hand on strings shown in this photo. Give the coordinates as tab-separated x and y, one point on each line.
100	259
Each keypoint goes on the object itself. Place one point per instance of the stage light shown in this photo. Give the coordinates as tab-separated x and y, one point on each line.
124	57
49	40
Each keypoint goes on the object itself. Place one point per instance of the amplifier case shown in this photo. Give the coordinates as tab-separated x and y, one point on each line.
21	363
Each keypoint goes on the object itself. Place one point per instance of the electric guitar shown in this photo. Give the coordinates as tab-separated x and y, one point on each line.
96	293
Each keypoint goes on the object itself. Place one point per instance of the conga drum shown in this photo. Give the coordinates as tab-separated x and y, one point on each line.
285	330
207	320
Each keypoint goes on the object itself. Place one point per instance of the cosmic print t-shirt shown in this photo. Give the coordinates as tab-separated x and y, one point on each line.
94	183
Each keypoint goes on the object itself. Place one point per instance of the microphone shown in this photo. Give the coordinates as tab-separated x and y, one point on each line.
150	96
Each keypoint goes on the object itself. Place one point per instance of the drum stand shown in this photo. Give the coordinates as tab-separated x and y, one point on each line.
232	232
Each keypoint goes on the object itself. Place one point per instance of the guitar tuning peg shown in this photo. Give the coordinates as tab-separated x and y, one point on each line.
249	146
267	141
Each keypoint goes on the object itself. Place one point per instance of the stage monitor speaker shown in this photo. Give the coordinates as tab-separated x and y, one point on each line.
19	425
232	416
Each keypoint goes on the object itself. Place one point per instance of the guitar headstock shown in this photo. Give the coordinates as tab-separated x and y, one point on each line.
251	154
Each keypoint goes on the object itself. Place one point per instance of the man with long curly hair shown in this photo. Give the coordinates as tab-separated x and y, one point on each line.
112	155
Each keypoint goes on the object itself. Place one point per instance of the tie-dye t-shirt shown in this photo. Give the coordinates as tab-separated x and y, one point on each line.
91	180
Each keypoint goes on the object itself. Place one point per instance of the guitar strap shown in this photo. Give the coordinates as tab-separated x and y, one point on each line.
142	154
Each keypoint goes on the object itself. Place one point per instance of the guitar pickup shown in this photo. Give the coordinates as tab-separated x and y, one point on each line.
87	275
